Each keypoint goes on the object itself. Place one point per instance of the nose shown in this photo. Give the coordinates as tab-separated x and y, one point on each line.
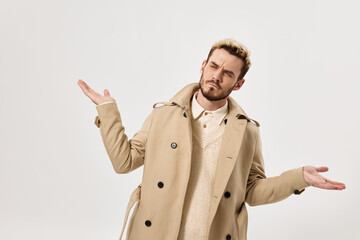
218	74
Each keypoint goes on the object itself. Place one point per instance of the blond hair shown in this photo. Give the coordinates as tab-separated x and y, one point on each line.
234	48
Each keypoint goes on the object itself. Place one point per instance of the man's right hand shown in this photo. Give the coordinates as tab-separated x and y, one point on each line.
94	96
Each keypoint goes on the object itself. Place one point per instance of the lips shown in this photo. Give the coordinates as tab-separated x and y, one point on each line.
214	85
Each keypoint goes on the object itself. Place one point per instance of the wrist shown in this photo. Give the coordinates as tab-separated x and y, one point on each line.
303	173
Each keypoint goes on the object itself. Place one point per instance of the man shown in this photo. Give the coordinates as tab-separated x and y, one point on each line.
201	155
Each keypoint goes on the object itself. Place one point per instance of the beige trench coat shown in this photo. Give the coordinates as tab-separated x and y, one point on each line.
163	146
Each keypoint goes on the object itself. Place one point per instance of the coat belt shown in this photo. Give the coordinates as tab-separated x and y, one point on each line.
135	197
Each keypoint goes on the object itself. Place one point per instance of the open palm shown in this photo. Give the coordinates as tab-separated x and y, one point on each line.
313	178
95	97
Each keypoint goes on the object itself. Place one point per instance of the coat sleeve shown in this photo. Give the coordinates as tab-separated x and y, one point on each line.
125	155
263	190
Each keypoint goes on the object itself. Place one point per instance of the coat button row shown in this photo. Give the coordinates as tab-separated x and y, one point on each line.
148	223
228	237
227	194
174	145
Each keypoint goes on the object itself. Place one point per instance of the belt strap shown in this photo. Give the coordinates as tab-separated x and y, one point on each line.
135	196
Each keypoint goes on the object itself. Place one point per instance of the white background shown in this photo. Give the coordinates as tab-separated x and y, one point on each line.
56	181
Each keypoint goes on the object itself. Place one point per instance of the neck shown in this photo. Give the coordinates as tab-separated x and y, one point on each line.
209	105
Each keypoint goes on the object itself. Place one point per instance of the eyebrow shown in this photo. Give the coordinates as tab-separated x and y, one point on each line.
225	70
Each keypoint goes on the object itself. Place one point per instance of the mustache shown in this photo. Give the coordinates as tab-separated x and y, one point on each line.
213	82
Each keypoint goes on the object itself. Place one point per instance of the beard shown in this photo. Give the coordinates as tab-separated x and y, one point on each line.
210	94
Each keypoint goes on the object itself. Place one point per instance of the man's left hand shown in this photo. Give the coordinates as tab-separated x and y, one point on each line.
313	178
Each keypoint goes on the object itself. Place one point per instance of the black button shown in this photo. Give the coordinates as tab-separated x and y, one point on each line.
147	223
227	194
160	184
173	145
225	121
228	237
185	114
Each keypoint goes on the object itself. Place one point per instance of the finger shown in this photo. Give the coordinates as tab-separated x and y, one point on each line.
322	169
83	86
94	96
328	184
106	93
335	183
88	90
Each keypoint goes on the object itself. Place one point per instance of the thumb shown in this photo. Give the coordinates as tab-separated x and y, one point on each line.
106	93
322	169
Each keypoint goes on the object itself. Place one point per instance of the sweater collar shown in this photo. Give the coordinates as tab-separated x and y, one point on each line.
219	114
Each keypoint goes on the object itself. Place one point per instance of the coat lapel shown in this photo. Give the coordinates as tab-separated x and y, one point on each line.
230	147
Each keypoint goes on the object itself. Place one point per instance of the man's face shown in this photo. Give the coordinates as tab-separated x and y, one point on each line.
219	75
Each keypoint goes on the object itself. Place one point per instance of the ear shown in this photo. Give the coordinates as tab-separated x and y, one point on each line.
239	84
203	66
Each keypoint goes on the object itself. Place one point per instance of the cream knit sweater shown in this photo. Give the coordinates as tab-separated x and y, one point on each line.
208	128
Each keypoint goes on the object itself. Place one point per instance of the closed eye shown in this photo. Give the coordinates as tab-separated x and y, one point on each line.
230	74
213	66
